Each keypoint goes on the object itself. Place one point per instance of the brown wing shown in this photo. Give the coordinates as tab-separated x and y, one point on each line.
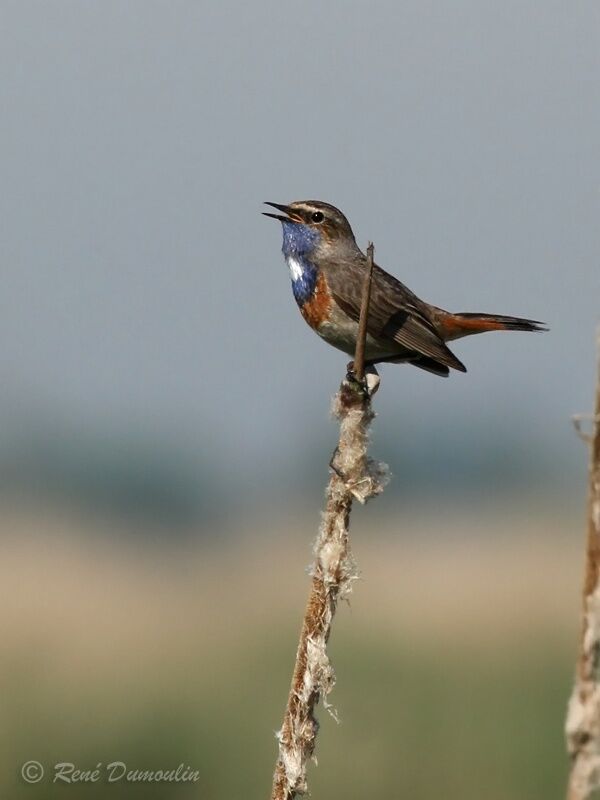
395	313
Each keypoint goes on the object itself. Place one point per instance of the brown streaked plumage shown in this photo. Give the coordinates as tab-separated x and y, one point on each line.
327	268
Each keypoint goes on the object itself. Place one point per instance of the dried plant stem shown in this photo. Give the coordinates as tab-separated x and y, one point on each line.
583	716
361	337
353	476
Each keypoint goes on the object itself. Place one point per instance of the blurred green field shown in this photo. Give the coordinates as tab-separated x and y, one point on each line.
454	659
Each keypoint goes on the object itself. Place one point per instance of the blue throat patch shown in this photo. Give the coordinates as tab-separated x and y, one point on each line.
303	286
298	239
298	242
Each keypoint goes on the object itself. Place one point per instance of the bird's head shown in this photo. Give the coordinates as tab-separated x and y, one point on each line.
309	225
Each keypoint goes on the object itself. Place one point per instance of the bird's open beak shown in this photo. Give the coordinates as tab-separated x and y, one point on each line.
290	216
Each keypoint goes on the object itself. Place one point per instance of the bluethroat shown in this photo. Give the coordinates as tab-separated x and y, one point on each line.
327	270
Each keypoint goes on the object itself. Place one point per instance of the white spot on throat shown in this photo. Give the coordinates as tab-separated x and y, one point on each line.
295	267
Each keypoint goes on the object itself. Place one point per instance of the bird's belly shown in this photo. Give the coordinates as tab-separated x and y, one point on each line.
340	331
333	325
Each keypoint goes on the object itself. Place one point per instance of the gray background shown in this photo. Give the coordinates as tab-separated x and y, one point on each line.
145	306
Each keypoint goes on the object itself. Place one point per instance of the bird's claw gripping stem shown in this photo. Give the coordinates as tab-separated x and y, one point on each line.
355	383
369	384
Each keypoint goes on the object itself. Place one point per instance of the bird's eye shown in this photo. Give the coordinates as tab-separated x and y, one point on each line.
317	216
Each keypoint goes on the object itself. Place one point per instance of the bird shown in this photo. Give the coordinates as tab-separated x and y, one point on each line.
327	270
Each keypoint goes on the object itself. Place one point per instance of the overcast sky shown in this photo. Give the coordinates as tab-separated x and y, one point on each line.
141	288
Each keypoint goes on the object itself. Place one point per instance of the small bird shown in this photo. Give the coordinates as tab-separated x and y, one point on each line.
327	269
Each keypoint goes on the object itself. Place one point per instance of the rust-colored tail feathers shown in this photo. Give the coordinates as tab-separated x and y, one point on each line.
466	324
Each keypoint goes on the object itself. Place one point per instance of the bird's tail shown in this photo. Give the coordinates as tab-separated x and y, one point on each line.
465	324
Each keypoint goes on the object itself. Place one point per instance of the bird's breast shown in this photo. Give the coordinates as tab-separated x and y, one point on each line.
304	278
310	291
317	310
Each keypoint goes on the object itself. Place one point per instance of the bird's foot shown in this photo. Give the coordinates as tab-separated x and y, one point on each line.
369	384
350	373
